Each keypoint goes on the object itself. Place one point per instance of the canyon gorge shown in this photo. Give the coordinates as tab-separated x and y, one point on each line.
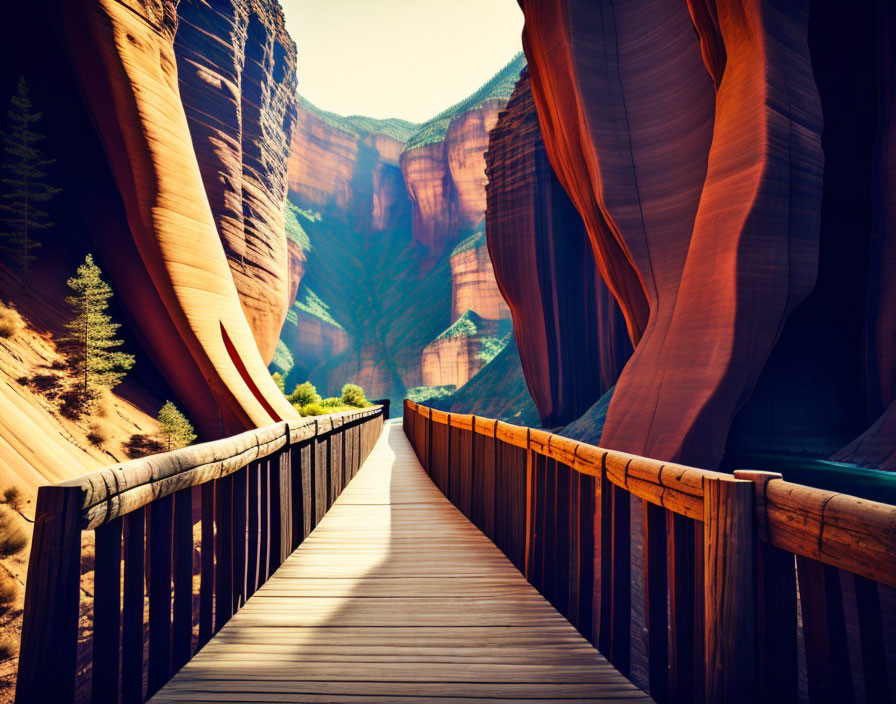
399	291
666	228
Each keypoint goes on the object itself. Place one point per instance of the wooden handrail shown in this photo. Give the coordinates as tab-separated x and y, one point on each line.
259	494
754	529
119	489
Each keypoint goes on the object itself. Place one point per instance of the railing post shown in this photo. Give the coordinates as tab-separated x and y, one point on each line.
730	589
48	656
776	603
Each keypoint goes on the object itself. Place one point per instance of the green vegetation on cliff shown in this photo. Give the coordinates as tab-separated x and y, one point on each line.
498	390
474	241
294	230
359	125
498	86
309	302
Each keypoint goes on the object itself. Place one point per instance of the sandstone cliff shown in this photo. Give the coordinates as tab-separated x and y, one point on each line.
380	261
171	270
236	69
458	353
348	165
473	285
674	151
443	163
570	333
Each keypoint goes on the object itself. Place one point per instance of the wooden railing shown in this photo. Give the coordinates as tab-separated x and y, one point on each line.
721	558
256	497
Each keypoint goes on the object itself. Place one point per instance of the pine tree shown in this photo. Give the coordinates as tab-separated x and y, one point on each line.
174	428
25	188
91	342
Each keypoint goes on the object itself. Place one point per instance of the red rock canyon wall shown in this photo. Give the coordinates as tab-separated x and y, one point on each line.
446	179
703	248
172	273
570	333
236	68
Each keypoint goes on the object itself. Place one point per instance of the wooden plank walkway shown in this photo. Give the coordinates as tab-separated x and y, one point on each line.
396	596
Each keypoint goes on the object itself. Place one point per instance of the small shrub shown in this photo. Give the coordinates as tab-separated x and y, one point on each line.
313	409
47	384
13	537
98	432
332	402
280	382
304	394
140	445
353	395
12	495
74	403
8	647
8	589
11	323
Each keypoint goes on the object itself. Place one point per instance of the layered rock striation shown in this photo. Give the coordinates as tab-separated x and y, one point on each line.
349	165
236	68
570	333
689	138
170	269
473	284
443	164
458	353
385	204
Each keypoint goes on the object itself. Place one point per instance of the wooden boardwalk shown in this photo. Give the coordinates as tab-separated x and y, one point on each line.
395	596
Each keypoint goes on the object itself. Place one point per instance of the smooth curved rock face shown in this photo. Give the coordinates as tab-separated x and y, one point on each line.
173	276
680	187
237	74
570	333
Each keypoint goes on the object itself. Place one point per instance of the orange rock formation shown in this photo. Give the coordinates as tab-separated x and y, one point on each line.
173	274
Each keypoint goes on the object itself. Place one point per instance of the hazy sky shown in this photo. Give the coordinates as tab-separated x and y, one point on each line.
399	58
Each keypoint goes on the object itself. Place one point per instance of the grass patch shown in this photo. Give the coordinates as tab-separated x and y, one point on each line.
283	360
312	304
474	241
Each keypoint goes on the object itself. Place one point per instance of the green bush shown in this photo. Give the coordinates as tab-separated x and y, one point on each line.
353	395
279	381
332	402
304	394
313	409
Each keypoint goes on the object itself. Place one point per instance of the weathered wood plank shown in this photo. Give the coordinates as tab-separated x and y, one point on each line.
461	623
182	618
729	588
106	614
50	619
132	637
159	551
